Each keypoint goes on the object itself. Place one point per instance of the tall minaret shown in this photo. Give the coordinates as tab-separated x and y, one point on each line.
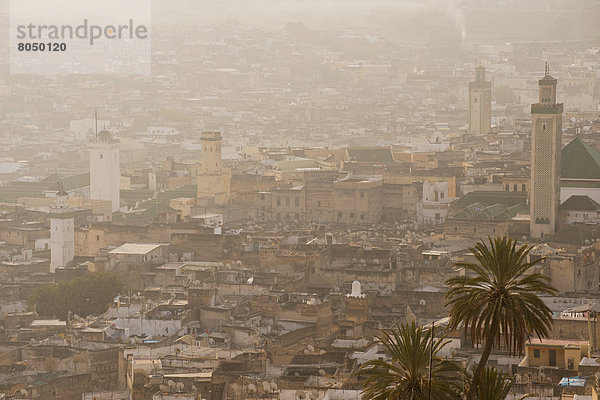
480	104
546	132
62	231
105	173
211	152
213	182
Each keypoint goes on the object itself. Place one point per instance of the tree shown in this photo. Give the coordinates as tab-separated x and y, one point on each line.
493	385
406	375
89	294
497	300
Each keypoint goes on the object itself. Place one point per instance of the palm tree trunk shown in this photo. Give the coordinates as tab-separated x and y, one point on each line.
487	349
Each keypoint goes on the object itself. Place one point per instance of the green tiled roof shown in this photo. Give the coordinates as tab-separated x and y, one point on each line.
130	197
580	161
13	190
73	182
580	203
493	212
371	155
490	198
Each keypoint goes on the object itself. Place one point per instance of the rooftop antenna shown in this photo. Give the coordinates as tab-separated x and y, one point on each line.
96	119
547	69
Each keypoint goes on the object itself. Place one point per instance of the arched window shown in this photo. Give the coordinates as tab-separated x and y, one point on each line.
515	187
507	187
523	188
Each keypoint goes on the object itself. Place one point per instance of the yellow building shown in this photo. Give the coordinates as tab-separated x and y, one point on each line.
555	353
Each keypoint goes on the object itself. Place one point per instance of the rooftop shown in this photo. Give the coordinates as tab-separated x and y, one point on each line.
579	161
135	249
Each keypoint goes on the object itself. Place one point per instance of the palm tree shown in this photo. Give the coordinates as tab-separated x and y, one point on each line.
406	376
493	385
497	300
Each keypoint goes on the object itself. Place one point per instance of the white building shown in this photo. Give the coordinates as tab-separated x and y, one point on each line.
105	174
433	207
62	232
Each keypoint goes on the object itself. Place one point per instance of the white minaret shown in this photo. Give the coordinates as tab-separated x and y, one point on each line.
62	231
105	174
546	131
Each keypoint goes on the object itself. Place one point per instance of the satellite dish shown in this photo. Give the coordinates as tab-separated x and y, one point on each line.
250	281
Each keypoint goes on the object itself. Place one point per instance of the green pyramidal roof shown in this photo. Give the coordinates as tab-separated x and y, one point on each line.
579	161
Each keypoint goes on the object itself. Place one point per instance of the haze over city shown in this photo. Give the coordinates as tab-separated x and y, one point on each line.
300	200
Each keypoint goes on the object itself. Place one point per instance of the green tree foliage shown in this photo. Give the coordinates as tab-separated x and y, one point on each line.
406	375
89	294
493	385
497	302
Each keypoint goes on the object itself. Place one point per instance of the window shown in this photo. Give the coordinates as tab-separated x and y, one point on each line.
441	195
351	215
544	126
523	188
278	200
507	187
297	202
536	353
262	196
362	195
101	156
339	215
287	201
515	187
97	238
319	203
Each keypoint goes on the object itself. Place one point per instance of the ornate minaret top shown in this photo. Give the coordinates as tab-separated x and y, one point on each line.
547	88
